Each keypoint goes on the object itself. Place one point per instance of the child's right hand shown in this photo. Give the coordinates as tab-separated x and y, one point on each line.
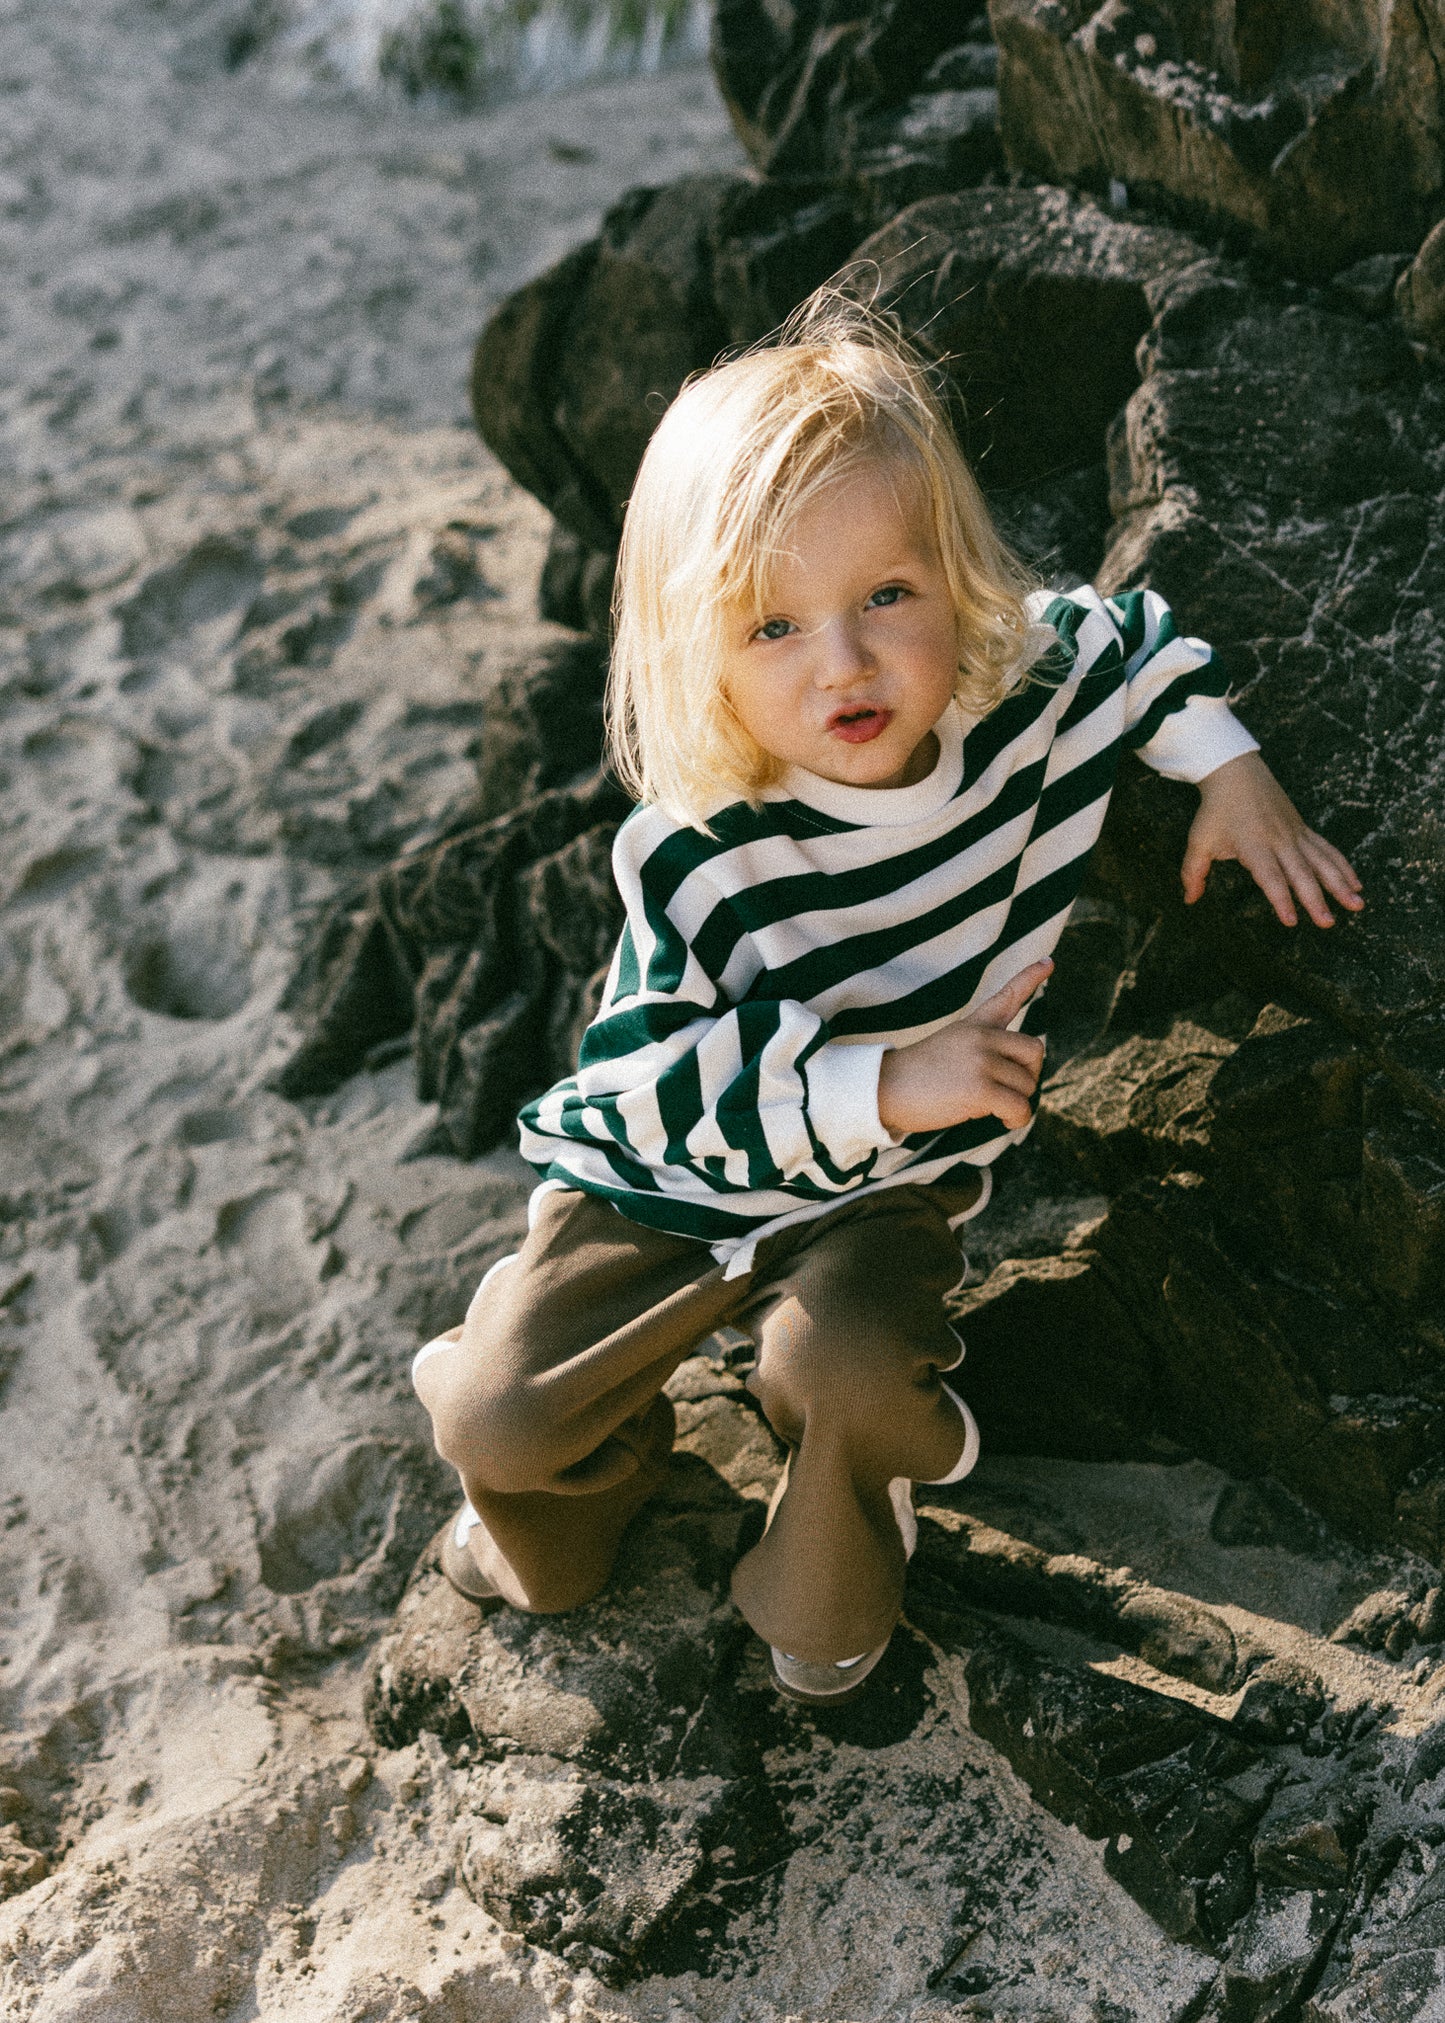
975	1067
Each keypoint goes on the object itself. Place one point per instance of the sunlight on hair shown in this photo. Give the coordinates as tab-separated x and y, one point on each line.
744	448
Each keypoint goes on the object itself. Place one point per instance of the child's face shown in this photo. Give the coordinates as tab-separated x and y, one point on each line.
856	656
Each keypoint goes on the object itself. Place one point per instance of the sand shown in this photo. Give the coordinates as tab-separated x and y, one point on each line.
259	577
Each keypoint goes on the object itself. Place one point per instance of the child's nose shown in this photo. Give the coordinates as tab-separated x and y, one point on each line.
844	656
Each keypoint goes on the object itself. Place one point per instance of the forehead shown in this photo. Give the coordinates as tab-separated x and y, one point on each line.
871	515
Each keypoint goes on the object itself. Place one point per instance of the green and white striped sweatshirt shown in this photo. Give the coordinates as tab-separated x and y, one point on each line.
729	1083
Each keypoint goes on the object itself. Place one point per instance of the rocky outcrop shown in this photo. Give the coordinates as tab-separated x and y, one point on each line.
828	89
485	951
1420	292
571	374
1313	132
1035	300
636	1788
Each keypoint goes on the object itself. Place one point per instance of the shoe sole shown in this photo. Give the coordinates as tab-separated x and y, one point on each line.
457	1568
839	1699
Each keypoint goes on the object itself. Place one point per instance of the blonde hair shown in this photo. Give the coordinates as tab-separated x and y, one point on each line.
738	455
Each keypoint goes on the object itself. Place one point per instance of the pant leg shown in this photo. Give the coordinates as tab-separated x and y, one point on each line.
851	1339
548	1402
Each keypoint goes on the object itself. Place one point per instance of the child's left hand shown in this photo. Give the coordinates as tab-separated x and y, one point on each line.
1246	814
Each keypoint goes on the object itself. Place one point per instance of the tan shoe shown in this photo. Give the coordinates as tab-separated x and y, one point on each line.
453	1556
823	1685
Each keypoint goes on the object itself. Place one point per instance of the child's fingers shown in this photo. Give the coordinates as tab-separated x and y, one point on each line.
1006	1004
1021	1051
1334	871
1011	1108
1195	869
1300	873
1014	1075
1269	875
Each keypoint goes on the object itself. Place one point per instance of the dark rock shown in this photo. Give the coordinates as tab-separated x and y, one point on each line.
939	141
1036	301
1060	526
541	727
1144	1106
1310	131
1420	292
576	585
564	1861
487	943
1386	1620
798	80
1280	1702
1420	1507
1056	1364
572	373
1307	1841
1262	1370
1274	1952
960	1559
1175	1795
1402	1198
1369	285
1390	1967
1274	449
1263	1513
1317	1222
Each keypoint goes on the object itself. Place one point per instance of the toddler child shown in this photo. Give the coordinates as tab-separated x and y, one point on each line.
872	758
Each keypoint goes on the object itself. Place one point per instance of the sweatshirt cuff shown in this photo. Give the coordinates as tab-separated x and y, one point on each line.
1197	740
843	1101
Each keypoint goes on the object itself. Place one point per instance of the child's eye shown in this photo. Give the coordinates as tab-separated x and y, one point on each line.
773	628
891	593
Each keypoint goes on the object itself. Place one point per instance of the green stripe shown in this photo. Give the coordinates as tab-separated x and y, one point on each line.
944	996
818	970
1132	619
1075	790
1210	679
620	1033
629	975
763	905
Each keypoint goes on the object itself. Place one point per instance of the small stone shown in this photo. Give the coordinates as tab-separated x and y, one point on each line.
353	1774
1369	285
20	1866
1420	291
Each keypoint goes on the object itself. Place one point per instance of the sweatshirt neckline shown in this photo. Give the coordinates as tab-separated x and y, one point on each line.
885	807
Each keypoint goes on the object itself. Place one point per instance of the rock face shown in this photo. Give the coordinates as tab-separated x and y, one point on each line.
634	1789
1036	302
824	89
1300	531
1314	132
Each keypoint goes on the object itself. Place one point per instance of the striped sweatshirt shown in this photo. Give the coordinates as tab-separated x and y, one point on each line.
729	1083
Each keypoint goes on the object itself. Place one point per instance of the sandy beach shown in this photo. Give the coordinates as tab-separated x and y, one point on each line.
259	579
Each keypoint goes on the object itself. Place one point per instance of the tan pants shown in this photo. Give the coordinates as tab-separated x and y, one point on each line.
548	1403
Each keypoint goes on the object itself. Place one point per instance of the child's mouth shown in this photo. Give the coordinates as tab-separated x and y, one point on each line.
858	726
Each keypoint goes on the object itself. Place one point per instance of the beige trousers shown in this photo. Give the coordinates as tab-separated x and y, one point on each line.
549	1403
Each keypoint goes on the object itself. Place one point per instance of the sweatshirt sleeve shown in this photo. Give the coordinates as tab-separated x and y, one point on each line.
1177	713
744	1095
